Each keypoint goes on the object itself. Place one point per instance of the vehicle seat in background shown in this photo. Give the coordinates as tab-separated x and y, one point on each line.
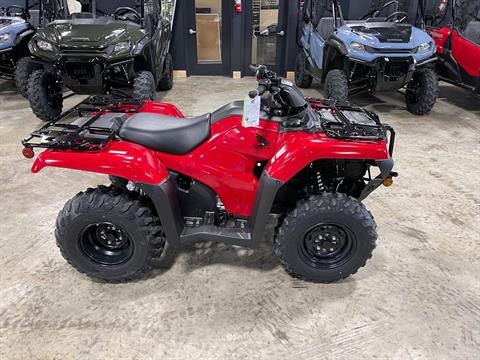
325	27
34	18
472	32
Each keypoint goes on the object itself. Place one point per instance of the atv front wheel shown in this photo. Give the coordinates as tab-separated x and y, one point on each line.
166	82
302	78
144	86
326	238
23	70
45	95
336	86
109	234
422	91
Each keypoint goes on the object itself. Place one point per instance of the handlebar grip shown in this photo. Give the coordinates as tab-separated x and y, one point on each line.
253	68
259	92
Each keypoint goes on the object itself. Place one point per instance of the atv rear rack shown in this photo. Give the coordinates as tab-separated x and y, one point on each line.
85	135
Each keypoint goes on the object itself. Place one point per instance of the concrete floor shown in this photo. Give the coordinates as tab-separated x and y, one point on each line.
418	297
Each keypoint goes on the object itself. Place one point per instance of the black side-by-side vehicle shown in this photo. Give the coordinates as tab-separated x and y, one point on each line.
110	46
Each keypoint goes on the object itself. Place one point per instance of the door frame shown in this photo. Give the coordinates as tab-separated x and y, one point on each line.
190	41
281	47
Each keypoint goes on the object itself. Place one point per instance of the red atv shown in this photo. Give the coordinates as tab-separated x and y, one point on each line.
210	178
455	27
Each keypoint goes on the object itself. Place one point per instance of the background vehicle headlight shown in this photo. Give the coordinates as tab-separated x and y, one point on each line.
45	46
424	47
4	37
122	46
357	47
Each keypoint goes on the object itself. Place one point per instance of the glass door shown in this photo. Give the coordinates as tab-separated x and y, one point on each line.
266	23
208	37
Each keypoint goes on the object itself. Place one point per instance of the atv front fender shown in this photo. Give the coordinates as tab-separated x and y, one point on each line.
119	158
295	151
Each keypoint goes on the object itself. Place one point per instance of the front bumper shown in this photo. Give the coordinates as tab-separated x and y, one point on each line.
90	75
393	72
385	167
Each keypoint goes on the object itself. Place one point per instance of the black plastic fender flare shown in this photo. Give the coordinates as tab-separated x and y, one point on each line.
26	35
335	44
164	198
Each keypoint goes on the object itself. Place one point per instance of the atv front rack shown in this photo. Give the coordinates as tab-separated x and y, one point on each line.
91	129
349	122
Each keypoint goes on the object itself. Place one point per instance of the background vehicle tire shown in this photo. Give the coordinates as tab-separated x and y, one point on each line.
144	86
166	82
326	238
23	70
422	91
109	234
336	86
45	95
302	78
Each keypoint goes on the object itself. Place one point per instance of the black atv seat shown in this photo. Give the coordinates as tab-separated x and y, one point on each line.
167	134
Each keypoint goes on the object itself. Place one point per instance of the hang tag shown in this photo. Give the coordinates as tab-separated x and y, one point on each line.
251	112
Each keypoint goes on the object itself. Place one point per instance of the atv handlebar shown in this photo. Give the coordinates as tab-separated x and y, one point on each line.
259	92
266	80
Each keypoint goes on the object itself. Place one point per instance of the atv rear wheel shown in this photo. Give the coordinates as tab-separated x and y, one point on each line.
144	86
45	95
302	78
109	234
326	238
336	86
23	70
166	82
422	91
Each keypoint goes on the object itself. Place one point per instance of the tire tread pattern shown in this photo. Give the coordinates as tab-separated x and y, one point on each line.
166	82
429	92
302	78
37	96
338	201
336	86
23	70
131	206
144	86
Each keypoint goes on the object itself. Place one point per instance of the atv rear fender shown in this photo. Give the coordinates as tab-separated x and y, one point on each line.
119	158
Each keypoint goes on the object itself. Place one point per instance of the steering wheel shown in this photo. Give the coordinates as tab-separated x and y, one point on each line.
400	17
21	13
121	12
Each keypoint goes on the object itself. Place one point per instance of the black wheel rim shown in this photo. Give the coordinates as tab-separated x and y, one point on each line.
106	244
327	246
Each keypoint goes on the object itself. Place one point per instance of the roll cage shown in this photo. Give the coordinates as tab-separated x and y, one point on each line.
314	10
108	8
442	13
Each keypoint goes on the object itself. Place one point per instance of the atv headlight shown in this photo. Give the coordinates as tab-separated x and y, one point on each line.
5	37
122	46
357	46
44	45
424	47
